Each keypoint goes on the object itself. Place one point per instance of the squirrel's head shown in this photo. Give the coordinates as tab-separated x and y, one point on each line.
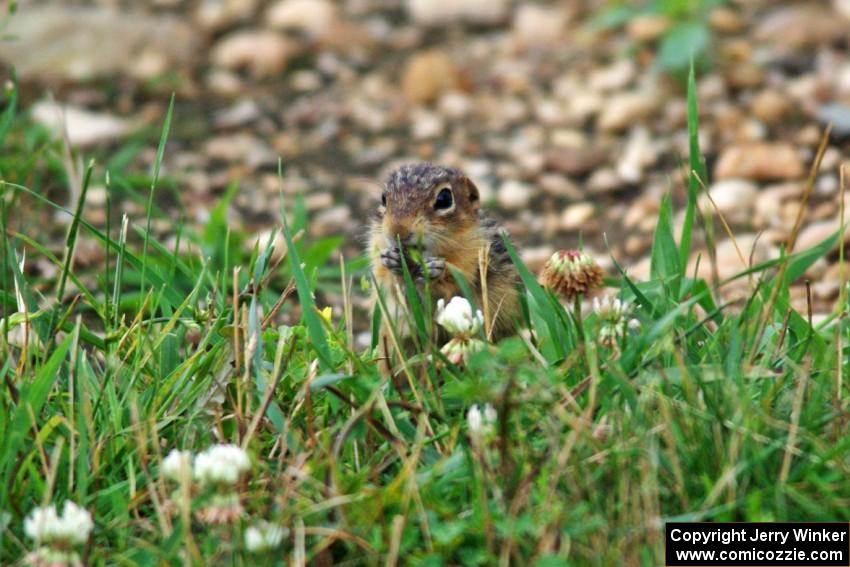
426	205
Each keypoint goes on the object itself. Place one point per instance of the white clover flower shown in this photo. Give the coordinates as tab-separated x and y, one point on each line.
263	536
42	523
459	349
614	319
490	415
175	463
457	317
474	420
481	423
73	527
221	464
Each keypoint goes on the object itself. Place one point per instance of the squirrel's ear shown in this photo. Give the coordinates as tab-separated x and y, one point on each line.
472	194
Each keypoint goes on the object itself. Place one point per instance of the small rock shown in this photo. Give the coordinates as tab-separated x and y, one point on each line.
760	161
578	161
647	27
456	105
770	106
262	52
559	186
729	261
638	155
838	115
331	221
734	198
314	18
80	43
604	180
84	128
217	14
613	77
535	258
243	112
576	216
622	110
726	20
438	12
429	75
240	148
842	7
426	125
800	25
817	232
539	25
224	83
514	195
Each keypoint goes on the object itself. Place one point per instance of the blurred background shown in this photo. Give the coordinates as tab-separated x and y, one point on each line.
570	116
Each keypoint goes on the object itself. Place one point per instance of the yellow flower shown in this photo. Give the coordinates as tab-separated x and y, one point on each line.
326	314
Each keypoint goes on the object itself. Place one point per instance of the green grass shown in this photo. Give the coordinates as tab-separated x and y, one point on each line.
711	411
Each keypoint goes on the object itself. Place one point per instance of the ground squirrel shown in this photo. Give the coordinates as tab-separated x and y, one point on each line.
434	212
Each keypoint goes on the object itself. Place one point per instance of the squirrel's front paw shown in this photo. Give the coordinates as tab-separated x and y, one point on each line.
391	259
434	267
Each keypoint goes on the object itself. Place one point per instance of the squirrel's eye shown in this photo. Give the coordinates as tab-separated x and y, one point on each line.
444	199
384	199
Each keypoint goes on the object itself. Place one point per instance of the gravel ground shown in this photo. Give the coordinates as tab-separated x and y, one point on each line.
571	130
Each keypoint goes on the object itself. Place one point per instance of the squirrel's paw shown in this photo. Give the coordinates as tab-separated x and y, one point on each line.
391	259
434	267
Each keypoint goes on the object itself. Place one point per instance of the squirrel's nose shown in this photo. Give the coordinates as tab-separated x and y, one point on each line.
397	234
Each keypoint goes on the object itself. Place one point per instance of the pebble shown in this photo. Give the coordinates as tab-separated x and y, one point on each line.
838	115
577	216
638	154
262	52
614	77
214	15
242	148
729	261
760	161
559	185
426	125
622	110
604	180
335	220
770	106
83	127
428	75
816	232
726	20
800	25
539	25
441	12
314	18
535	257
734	198
576	161
81	43
514	195
647	27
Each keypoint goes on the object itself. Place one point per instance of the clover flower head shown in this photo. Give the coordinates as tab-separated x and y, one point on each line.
71	528
221	465
571	273
222	509
614	319
457	317
263	536
481	422
175	463
459	349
